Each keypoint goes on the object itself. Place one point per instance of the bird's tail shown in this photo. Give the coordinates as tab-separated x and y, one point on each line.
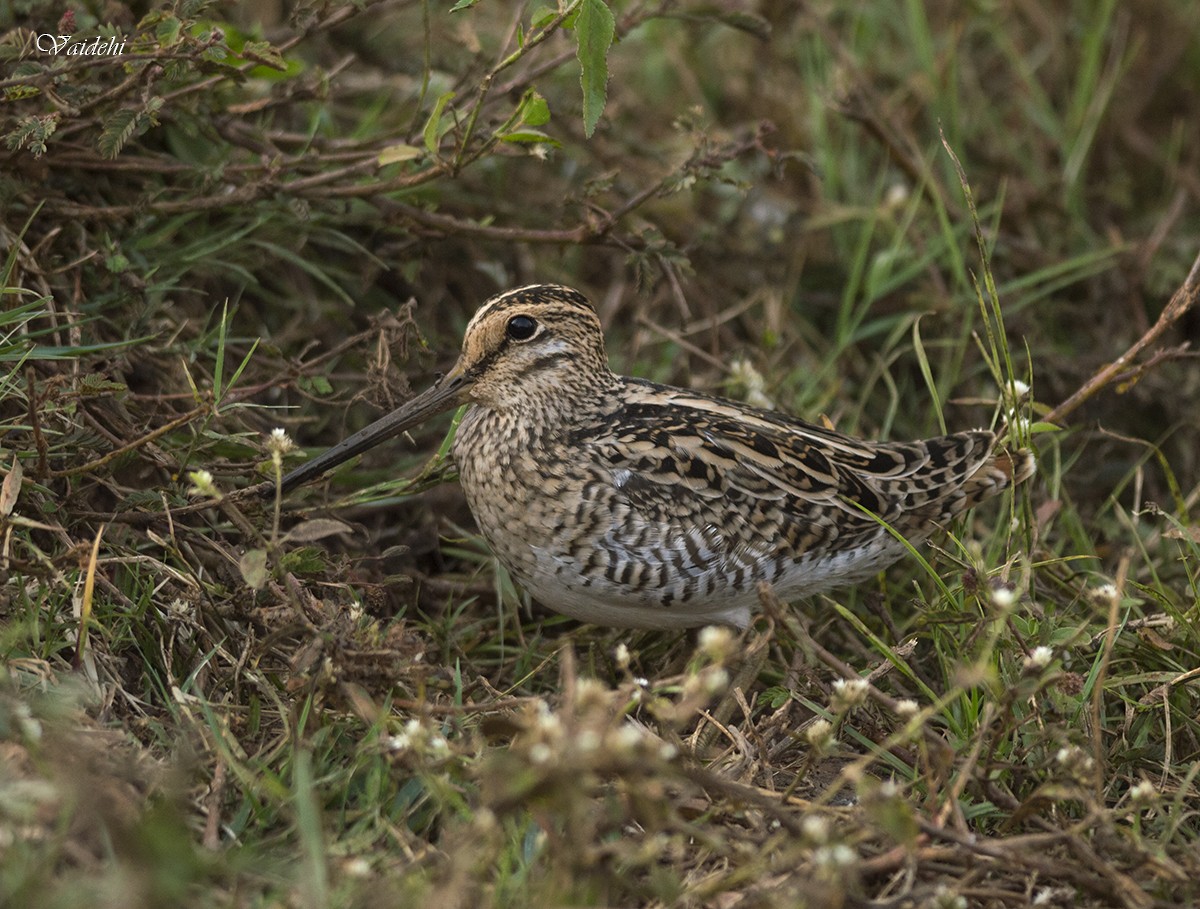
1002	470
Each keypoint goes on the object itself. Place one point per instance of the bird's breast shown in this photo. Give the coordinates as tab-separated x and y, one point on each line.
585	539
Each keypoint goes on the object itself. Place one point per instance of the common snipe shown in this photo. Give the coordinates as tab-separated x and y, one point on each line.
622	502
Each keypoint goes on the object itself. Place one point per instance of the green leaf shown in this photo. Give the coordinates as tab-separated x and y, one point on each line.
253	566
534	110
118	129
531	136
775	697
316	385
542	16
594	29
1042	426
463	4
433	131
93	384
126	123
168	31
394	154
262	52
40	352
33	132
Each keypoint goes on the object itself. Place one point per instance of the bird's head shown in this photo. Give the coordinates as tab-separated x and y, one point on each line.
537	347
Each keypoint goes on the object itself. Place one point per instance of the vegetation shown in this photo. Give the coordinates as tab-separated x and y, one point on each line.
896	217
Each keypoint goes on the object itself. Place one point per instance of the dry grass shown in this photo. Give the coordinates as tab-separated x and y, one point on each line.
206	702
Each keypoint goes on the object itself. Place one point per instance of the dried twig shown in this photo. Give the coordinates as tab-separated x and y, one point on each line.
1181	301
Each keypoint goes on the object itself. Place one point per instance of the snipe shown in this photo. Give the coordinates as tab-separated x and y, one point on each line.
622	502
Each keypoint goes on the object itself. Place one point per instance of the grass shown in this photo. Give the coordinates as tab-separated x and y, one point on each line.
348	703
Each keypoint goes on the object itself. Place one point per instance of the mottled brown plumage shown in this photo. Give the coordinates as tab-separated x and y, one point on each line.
623	502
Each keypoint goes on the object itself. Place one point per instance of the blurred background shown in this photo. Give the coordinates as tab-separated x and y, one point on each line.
283	215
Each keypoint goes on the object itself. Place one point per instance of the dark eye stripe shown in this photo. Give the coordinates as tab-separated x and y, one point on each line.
552	359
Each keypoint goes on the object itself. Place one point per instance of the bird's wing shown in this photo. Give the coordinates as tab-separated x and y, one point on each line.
714	448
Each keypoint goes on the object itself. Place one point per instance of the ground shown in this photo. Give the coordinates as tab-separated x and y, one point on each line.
897	219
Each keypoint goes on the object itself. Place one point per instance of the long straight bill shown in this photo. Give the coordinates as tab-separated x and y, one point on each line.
443	396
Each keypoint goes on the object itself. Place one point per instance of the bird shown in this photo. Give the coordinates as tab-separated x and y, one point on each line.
627	503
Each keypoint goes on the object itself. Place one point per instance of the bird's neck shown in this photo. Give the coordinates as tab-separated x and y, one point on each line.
537	415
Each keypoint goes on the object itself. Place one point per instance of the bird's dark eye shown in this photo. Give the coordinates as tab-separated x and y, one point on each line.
521	328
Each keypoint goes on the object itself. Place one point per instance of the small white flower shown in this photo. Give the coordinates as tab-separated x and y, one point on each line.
945	898
897	194
848	694
417	738
279	442
1019	389
820	735
907	708
1039	659
839	855
202	484
716	642
1021	427
628	737
1076	762
590	693
743	373
815	829
621	655
31	727
716	680
1003	596
540	753
546	723
1105	594
1143	792
485	820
